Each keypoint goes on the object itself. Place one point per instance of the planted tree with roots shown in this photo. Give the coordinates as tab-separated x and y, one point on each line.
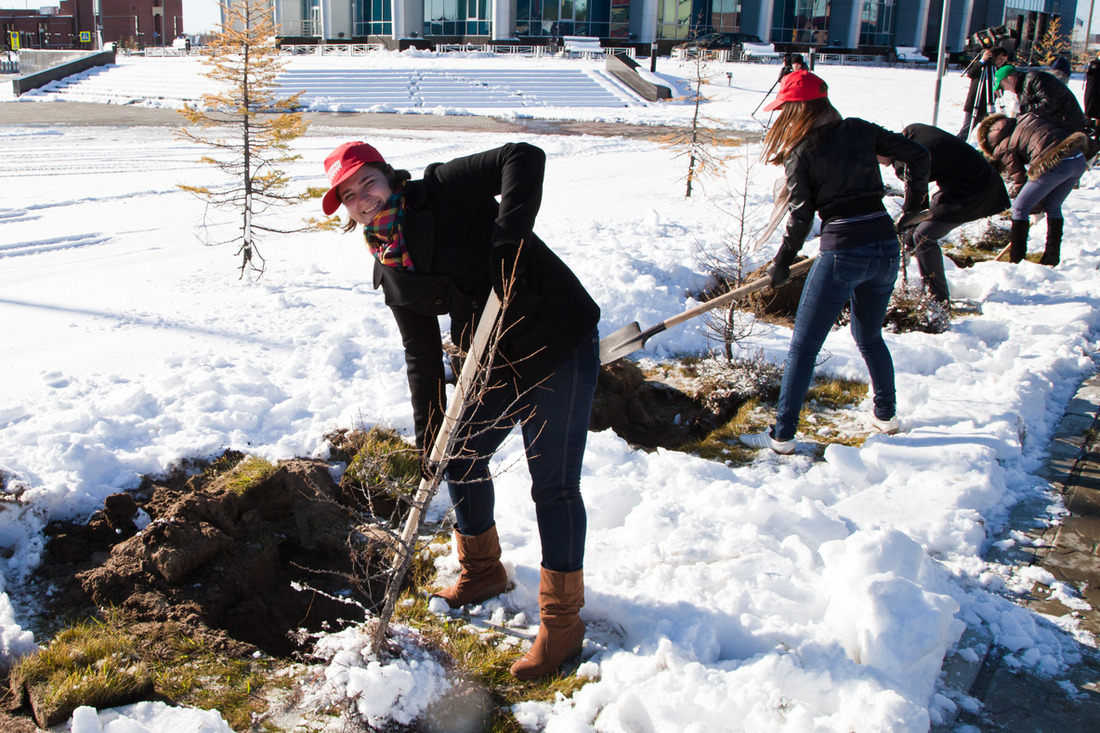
248	126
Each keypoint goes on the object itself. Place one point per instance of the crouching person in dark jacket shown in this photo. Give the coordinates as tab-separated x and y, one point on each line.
1042	94
442	245
968	189
1044	161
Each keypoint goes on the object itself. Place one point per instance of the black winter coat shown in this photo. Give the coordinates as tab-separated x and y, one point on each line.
835	173
969	187
1092	89
1044	94
452	220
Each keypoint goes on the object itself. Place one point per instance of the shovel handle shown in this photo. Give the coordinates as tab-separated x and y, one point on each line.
751	287
463	389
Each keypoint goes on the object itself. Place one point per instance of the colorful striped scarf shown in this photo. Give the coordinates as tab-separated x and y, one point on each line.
384	236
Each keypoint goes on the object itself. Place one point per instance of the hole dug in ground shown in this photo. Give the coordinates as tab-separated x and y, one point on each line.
239	561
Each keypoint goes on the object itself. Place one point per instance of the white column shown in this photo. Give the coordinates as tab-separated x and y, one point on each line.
647	29
399	20
503	17
408	18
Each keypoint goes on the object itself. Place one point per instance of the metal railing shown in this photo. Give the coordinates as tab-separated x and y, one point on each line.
329	49
164	51
849	59
9	63
300	28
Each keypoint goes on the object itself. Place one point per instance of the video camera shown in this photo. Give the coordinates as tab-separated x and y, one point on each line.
988	38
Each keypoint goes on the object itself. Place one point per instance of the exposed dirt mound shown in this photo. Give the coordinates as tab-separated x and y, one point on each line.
646	413
218	557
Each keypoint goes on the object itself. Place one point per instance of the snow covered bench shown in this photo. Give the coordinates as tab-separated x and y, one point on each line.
759	52
585	47
910	55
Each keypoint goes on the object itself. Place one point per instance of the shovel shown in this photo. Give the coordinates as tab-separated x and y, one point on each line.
478	361
631	338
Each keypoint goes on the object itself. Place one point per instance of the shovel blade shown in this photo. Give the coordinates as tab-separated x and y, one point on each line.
623	342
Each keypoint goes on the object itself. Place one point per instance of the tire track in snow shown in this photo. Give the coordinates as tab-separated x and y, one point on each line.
19	249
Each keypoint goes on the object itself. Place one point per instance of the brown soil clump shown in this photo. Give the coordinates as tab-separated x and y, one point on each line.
217	560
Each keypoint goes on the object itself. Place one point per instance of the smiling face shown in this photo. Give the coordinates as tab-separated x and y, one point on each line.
365	194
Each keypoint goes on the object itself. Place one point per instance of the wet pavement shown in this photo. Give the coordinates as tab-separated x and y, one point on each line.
1014	698
89	114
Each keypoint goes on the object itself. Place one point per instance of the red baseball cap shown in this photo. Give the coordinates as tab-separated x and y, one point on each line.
340	165
798	86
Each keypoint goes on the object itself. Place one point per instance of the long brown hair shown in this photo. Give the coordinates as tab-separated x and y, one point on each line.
796	121
393	176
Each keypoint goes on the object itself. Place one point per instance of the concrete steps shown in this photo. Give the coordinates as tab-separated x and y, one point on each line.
174	82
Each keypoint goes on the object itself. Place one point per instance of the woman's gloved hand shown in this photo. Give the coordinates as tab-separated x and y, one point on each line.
778	274
505	265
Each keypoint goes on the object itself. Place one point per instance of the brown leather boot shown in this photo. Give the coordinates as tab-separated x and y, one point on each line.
561	631
482	575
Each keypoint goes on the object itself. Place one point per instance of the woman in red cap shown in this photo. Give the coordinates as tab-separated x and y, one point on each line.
440	244
832	170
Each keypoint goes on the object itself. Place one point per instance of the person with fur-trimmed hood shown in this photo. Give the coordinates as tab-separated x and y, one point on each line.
1045	162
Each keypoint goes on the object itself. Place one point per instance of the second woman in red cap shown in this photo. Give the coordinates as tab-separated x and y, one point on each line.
832	170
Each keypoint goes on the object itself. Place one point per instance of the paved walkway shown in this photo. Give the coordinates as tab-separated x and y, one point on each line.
83	113
1016	701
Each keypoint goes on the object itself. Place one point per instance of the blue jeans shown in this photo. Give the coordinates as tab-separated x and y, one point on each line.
865	275
554	418
1050	189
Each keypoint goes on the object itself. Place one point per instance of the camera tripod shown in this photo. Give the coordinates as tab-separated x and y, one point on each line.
983	99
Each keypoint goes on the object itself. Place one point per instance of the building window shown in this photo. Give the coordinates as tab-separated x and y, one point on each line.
876	23
725	15
456	17
557	18
370	18
802	22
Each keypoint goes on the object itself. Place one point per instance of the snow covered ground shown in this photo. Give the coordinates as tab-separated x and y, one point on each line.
787	595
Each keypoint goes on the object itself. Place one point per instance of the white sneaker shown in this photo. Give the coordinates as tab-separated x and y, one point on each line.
889	427
765	440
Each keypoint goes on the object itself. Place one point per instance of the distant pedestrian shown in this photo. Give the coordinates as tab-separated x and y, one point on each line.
1045	162
968	189
832	169
1092	96
1060	68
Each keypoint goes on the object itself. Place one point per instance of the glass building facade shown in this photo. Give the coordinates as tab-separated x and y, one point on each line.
682	19
557	18
801	21
372	18
876	23
456	18
846	24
